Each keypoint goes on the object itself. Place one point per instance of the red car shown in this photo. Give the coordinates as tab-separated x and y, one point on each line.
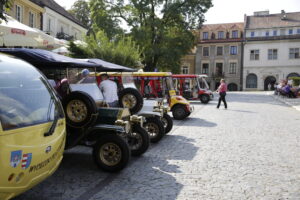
193	87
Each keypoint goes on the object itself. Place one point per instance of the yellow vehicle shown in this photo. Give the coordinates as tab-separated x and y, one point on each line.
158	85
32	127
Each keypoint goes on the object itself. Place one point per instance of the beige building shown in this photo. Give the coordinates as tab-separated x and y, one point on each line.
219	54
27	13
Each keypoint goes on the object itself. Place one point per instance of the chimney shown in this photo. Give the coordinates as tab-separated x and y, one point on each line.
261	13
283	15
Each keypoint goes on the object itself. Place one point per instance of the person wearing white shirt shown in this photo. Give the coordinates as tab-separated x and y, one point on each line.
110	91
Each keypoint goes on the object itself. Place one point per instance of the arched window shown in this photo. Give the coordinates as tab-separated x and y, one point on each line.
232	87
251	81
293	75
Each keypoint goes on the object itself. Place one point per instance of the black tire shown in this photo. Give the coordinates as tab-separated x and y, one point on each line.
80	109
155	129
131	98
139	142
111	144
168	123
204	98
179	112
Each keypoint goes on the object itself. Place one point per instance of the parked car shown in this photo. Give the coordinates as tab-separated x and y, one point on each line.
32	127
111	132
154	85
129	97
193	87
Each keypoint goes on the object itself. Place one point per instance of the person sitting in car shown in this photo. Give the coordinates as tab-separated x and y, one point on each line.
86	78
110	91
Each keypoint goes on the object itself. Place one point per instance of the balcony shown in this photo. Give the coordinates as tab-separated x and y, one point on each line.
64	36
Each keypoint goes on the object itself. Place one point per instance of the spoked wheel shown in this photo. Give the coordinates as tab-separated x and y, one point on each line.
138	141
167	122
179	112
155	129
80	109
111	153
131	98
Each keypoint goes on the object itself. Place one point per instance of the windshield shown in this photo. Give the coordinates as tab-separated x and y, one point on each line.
25	99
203	83
128	82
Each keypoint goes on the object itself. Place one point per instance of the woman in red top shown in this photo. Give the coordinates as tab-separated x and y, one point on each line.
222	89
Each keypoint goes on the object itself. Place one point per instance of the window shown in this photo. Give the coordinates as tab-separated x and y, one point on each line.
232	68
298	31
185	70
220	35
294	53
251	81
267	33
213	36
19	13
49	25
219	51
282	31
205	68
205	51
252	34
205	35
219	69
235	34
290	31
272	54
233	50
254	55
31	19
275	33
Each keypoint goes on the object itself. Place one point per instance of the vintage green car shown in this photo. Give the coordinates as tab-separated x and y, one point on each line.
113	133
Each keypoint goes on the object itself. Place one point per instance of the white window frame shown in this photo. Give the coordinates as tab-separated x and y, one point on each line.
220	34
203	68
294	53
233	35
236	53
222	53
19	13
185	70
254	54
32	16
205	35
272	55
203	52
232	67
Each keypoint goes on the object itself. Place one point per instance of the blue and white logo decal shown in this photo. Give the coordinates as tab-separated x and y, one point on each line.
15	158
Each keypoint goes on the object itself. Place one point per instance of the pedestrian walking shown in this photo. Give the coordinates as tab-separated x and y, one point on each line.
222	89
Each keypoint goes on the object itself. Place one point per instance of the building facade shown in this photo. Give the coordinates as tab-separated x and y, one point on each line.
271	49
219	54
28	13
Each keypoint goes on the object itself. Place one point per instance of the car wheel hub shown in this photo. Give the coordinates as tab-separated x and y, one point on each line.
135	141
76	110
110	154
129	101
152	129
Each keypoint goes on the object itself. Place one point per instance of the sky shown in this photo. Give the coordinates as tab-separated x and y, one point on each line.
226	11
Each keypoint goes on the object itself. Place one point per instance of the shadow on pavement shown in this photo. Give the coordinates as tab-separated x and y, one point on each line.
148	176
193	121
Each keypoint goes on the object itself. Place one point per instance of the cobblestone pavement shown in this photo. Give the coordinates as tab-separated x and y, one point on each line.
249	151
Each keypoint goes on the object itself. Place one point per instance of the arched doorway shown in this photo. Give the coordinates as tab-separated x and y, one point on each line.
232	87
294	74
251	81
269	82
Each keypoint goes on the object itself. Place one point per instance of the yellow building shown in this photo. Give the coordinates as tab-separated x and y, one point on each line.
27	13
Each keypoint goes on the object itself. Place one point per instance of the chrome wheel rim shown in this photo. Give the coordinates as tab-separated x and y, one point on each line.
77	111
135	141
129	101
165	122
110	154
152	129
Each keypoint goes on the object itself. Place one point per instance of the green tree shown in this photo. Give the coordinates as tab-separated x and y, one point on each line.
5	5
80	10
162	27
123	50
